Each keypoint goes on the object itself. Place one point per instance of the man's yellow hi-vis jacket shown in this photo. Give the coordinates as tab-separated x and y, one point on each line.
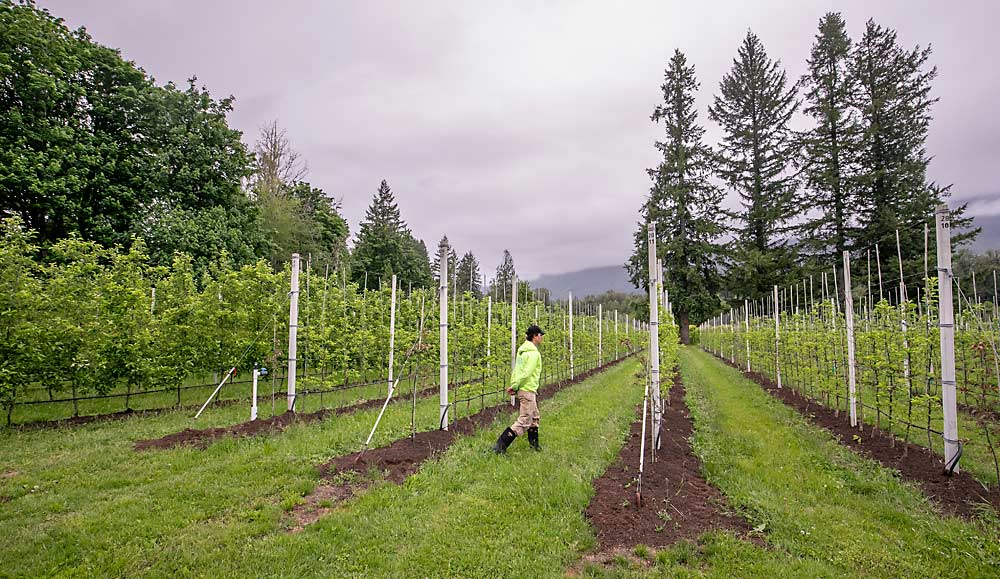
527	369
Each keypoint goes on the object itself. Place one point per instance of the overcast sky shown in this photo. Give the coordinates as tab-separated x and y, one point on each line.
521	125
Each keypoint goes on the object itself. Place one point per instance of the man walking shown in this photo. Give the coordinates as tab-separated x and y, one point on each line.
524	382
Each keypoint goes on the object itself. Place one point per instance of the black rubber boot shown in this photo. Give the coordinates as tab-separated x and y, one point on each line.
533	438
504	441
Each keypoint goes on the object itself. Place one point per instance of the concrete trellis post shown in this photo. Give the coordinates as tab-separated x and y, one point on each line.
851	368
513	327
746	327
443	329
777	338
616	334
572	365
600	335
489	330
293	330
392	333
946	315
654	337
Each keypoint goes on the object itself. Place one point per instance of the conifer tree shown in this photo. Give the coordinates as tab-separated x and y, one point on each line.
504	277
683	204
386	246
830	148
753	107
894	102
467	275
452	262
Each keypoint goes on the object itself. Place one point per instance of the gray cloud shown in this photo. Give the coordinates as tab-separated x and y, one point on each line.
519	125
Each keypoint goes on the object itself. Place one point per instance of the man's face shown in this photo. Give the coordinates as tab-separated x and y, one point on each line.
537	339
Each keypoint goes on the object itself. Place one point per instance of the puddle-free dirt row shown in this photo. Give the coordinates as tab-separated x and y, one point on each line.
959	494
203	437
350	474
677	502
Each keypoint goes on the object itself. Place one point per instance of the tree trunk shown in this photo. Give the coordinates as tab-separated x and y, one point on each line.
682	321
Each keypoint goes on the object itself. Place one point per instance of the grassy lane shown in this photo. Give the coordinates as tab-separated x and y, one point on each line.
85	504
825	511
469	514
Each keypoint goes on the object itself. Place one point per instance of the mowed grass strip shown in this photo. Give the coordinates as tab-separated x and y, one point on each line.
471	513
83	503
824	510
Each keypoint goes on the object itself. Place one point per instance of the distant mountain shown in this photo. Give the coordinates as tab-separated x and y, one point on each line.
586	282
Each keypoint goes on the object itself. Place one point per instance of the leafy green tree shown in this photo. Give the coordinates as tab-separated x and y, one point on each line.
71	160
294	216
683	204
753	107
20	312
831	147
90	146
204	234
468	276
418	263
894	101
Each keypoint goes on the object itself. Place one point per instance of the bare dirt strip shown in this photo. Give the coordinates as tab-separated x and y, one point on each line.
677	502
959	494
203	437
350	474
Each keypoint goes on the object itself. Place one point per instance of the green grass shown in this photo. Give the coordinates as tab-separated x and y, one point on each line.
84	504
977	458
825	511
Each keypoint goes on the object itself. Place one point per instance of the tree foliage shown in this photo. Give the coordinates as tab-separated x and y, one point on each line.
831	147
385	246
753	107
683	204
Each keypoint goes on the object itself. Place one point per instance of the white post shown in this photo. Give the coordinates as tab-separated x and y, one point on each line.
654	337
732	326
253	404
777	338
443	329
293	330
392	333
600	335
852	384
513	328
946	317
746	327
616	334
489	330
572	370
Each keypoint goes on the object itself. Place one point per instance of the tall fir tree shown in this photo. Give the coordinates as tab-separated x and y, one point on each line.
830	148
753	107
385	246
504	277
894	101
452	262
683	204
467	275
